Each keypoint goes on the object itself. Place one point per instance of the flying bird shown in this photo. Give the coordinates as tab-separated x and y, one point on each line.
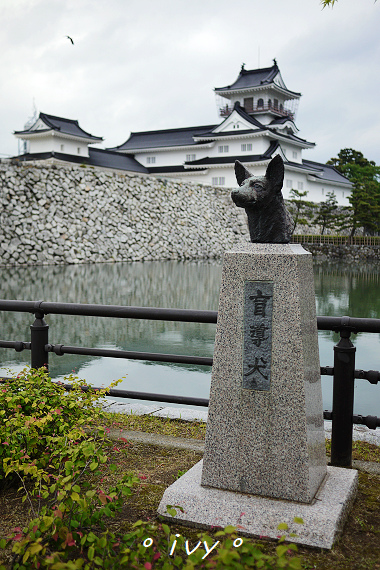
71	39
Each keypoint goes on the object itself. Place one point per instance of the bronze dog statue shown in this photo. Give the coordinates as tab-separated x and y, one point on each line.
268	219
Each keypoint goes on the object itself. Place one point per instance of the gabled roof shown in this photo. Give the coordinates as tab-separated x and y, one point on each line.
238	109
165	138
249	79
97	157
61	125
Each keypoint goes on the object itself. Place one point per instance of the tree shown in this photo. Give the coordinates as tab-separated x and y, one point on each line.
365	196
327	211
300	209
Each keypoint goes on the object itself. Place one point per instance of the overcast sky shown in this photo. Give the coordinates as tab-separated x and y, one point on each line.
152	64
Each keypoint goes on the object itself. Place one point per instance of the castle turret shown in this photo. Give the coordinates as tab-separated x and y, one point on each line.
261	92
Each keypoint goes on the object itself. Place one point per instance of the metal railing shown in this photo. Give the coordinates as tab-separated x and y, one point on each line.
343	371
336	240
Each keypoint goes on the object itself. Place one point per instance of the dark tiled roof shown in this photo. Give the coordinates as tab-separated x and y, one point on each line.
253	78
98	157
66	126
165	138
109	159
281	121
328	172
292	137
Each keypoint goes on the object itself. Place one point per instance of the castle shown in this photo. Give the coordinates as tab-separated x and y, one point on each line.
258	115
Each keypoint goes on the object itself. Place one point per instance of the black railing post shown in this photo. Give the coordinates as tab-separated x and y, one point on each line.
343	400
39	338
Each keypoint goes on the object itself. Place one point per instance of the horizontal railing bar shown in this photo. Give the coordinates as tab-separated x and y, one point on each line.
148	396
118	311
373	376
353	323
372	422
155	313
151	356
17	345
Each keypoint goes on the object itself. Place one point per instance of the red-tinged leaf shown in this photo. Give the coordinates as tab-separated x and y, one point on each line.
123	439
55	536
102	498
17	537
156	556
35	528
148	566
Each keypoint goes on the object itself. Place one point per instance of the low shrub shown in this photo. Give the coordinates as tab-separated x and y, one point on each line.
53	445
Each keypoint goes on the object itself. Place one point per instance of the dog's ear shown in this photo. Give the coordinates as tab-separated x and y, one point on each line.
275	172
241	173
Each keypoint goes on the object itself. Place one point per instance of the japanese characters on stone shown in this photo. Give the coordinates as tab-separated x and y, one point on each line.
257	355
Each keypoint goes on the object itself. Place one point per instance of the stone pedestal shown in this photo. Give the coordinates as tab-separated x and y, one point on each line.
265	435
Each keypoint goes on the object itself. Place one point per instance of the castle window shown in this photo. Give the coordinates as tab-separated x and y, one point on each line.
248	104
269	103
260	103
245	147
223	148
281	107
275	103
150	159
289	183
78	149
190	157
218	180
323	191
295	155
62	147
300	185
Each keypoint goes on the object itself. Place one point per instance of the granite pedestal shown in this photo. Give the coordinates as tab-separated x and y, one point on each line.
265	437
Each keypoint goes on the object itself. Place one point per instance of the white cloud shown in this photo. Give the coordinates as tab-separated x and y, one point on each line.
140	65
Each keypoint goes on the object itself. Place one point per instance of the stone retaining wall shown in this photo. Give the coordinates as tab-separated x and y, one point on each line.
347	253
68	214
60	215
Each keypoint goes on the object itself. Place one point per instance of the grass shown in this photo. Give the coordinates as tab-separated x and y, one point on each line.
157	425
157	467
197	430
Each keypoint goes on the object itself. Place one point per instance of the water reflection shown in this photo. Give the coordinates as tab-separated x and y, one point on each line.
340	290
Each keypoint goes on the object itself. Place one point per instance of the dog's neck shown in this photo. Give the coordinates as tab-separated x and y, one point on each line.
270	223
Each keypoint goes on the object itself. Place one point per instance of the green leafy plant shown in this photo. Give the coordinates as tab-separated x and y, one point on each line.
36	412
53	446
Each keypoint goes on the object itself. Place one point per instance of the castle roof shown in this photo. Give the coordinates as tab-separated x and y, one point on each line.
255	78
46	123
165	138
97	157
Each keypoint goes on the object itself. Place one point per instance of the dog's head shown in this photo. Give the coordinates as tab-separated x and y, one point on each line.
256	191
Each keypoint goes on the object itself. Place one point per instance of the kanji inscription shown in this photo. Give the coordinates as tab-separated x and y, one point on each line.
257	353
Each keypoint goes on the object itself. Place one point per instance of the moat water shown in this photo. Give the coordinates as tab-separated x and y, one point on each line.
340	290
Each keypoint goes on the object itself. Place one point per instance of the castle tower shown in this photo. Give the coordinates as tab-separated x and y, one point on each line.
261	92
